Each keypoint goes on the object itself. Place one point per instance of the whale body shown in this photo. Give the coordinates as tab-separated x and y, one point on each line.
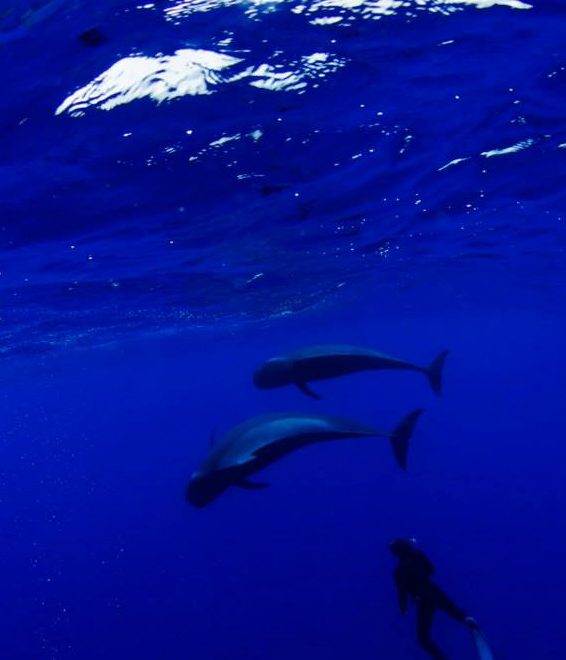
258	442
332	360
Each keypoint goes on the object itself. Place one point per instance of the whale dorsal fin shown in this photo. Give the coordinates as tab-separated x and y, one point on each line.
251	485
305	389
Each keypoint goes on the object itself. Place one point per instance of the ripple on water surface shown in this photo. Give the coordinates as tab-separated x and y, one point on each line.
223	162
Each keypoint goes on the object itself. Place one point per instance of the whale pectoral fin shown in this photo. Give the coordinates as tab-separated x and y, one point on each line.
305	389
250	485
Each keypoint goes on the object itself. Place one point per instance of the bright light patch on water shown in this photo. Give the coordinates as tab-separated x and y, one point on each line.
453	162
376	7
525	144
186	73
291	77
255	277
189	73
187	7
486	4
329	20
224	140
338	10
269	77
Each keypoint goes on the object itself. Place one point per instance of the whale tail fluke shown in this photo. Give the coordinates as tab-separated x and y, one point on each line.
434	372
401	435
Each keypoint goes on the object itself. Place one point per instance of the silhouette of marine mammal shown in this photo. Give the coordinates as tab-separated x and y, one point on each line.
332	360
258	442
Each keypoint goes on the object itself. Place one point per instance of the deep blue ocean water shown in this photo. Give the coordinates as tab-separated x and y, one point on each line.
204	184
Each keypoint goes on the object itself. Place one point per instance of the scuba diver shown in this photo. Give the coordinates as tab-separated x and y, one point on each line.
412	577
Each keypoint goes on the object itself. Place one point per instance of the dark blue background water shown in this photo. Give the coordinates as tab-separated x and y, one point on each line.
148	263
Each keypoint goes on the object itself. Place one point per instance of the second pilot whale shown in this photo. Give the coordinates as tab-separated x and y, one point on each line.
252	445
331	360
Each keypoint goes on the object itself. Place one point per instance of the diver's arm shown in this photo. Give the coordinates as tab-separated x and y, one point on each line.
401	591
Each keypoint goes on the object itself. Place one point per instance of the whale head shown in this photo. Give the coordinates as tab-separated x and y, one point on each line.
203	489
273	373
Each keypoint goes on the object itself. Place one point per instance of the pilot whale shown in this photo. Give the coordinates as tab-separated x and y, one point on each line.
332	360
258	442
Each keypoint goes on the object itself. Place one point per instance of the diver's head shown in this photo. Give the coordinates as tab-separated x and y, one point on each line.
402	547
273	373
203	489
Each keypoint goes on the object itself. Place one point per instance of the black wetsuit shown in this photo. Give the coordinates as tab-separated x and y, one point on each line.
412	577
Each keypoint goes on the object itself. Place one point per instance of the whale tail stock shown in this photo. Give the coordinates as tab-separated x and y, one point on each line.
434	372
401	435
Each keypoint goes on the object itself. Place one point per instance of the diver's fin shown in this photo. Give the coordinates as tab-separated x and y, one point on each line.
484	651
305	389
434	372
211	438
250	485
401	435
